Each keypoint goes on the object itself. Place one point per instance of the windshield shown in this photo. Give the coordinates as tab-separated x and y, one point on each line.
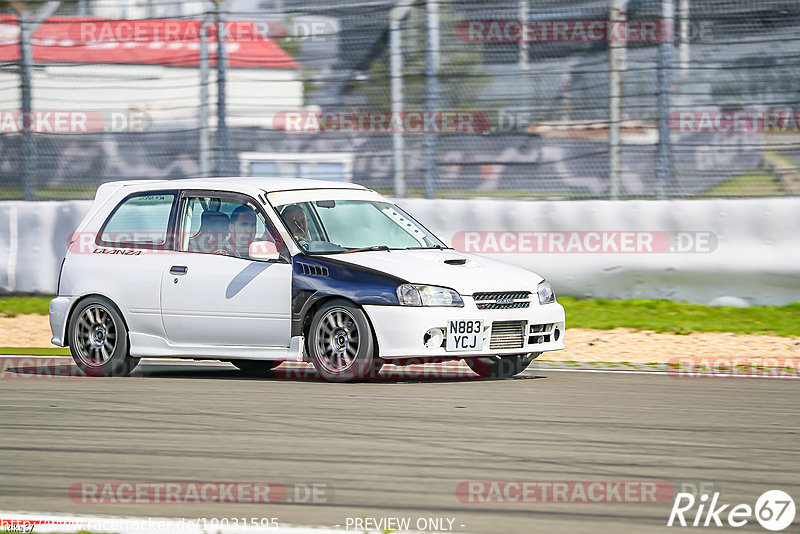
336	226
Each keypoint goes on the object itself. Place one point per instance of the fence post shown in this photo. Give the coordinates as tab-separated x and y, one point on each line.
431	93
616	53
27	26
683	14
222	129
524	64
397	15
396	60
202	115
664	68
27	145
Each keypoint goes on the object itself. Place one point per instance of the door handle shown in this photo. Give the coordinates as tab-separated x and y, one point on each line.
178	269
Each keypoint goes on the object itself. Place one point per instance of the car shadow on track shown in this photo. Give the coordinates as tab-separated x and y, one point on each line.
63	367
430	373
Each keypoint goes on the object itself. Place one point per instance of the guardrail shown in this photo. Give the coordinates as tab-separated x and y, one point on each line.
735	252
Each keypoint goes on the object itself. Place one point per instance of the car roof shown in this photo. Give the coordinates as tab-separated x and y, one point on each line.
238	183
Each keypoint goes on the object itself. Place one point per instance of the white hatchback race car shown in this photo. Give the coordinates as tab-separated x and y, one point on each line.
256	271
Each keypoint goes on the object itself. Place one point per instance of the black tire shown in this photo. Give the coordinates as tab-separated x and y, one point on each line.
256	367
340	343
500	366
98	339
377	365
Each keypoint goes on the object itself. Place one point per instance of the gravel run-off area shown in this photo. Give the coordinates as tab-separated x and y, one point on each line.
583	345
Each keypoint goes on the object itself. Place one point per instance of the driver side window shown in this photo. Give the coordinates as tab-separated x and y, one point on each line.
223	225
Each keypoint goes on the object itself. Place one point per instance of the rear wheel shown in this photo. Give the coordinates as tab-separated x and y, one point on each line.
256	367
500	366
98	339
340	343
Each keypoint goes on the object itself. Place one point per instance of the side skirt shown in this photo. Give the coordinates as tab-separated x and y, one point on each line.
146	346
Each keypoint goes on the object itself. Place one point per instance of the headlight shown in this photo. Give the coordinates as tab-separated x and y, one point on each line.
545	291
421	295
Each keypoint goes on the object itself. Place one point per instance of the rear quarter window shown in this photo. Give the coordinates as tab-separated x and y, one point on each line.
139	221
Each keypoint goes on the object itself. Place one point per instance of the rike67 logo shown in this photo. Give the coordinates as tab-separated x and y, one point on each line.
774	510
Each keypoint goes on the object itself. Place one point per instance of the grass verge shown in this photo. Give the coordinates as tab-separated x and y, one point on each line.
681	317
13	306
34	351
66	192
604	314
749	184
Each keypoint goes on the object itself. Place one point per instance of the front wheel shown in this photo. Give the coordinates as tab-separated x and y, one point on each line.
98	339
340	342
500	366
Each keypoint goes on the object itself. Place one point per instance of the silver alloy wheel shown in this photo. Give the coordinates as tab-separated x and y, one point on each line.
337	340
96	335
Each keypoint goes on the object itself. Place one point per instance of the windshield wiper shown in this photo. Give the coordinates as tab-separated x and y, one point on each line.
437	247
365	249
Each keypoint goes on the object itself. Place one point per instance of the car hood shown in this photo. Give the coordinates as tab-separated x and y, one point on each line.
466	273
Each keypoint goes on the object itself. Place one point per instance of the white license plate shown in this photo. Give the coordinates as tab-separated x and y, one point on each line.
464	335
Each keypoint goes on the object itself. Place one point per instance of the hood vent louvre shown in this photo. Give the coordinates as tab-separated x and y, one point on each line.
460	261
313	270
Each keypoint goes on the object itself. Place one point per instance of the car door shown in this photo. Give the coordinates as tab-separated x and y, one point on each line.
124	259
211	294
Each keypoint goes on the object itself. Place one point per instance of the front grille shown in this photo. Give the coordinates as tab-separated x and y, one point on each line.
507	335
503	300
496	306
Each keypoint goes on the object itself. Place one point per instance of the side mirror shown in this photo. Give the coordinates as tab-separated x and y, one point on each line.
263	251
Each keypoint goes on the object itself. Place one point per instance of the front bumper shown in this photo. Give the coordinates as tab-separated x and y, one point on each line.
59	310
400	330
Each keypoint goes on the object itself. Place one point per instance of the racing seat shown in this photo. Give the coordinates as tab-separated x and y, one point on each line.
213	233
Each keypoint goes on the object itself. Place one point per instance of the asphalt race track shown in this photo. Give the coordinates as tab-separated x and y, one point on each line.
399	448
